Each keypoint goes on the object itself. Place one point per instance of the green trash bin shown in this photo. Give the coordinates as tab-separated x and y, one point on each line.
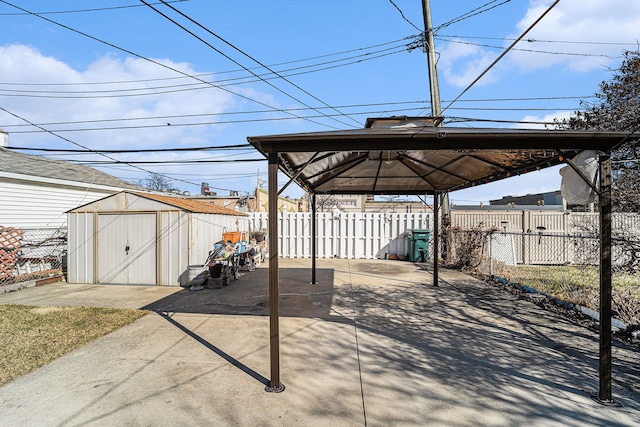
418	245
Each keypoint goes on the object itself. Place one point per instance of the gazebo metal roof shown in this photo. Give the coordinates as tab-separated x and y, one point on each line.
412	156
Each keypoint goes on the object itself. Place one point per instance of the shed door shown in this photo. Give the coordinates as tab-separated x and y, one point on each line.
127	249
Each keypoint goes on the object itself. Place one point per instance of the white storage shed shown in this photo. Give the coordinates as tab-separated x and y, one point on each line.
144	239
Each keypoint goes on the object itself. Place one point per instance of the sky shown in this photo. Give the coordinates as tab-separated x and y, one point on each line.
111	75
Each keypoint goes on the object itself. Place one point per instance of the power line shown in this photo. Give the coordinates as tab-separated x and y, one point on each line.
403	16
548	52
250	112
150	60
243	53
219	122
78	144
185	87
503	53
96	9
149	150
163	162
531	40
228	113
224	122
474	12
454	119
403	47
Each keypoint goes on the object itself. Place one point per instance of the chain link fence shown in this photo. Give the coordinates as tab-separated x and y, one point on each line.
31	254
562	269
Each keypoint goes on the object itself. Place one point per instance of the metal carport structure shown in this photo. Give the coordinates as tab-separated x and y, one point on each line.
413	156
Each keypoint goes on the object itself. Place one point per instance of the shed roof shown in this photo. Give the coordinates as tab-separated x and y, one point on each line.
195	206
413	156
130	201
29	164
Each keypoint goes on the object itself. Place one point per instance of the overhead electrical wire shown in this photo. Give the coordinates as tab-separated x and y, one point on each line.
404	17
95	9
271	108
403	47
224	122
150	150
185	87
153	61
80	145
474	12
454	119
503	53
547	52
164	162
226	113
219	122
132	164
245	54
532	40
7	126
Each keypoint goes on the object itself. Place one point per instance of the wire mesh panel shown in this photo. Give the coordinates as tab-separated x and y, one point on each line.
561	267
30	254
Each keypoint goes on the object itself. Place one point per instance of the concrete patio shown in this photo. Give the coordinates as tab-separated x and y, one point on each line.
373	343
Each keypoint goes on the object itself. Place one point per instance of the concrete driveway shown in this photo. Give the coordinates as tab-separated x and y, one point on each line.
374	343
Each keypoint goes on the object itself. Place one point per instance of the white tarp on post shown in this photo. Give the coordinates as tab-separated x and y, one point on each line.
573	187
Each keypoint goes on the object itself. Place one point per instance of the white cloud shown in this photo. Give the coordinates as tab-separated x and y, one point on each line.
537	122
601	24
69	95
461	63
74	95
592	30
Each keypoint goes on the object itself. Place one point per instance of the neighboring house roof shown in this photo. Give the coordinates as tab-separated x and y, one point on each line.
31	165
195	206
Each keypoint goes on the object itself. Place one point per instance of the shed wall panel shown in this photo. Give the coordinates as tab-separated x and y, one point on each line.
80	248
174	247
207	229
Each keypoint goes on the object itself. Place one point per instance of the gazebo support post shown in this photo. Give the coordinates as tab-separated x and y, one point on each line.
605	279
313	239
274	316
436	239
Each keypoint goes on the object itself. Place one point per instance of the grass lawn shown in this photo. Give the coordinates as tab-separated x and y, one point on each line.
31	337
556	279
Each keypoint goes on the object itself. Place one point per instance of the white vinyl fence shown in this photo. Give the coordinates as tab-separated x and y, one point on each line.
529	221
378	235
344	235
549	238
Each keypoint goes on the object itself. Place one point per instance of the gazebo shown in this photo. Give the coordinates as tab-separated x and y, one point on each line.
413	156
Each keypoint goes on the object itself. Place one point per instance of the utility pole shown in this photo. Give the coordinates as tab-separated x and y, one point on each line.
440	200
436	108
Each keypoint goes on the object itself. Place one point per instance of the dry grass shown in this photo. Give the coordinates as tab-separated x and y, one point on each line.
31	337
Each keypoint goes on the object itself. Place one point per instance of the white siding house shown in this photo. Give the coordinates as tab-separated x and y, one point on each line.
35	192
144	239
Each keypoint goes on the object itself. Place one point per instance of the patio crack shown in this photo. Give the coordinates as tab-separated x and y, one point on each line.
355	332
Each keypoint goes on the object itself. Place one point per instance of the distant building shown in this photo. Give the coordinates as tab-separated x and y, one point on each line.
550	201
257	202
540	199
367	203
